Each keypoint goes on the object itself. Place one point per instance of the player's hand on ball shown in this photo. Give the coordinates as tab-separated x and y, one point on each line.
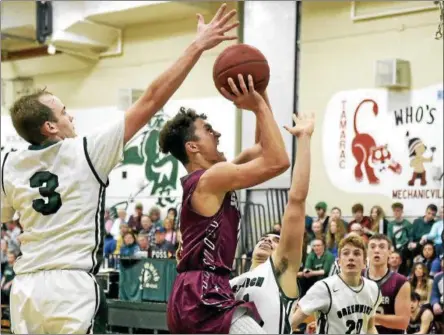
243	97
304	125
211	34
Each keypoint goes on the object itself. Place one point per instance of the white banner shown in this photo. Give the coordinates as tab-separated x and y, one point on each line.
391	143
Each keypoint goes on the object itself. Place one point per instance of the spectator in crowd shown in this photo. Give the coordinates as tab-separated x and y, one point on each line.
108	220
422	227
129	247
321	211
148	229
154	215
13	244
435	234
109	244
378	221
335	233
336	214
317	265
308	224
172	214
134	221
399	230
358	217
143	241
7	278
170	234
356	228
121	219
14	229
437	299
162	248
429	258
421	283
124	229
395	262
421	319
317	230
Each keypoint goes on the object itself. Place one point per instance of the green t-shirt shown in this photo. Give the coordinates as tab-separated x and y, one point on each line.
316	263
400	233
8	273
421	228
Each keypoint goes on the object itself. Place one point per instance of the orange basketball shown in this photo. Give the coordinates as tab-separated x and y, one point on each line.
241	59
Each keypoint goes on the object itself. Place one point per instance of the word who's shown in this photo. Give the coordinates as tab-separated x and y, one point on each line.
411	114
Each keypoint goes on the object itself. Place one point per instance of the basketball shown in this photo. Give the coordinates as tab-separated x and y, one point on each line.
241	59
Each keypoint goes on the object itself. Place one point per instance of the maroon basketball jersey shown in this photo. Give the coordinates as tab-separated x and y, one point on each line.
209	243
389	285
202	300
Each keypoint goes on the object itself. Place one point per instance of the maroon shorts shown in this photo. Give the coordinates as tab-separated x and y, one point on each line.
203	302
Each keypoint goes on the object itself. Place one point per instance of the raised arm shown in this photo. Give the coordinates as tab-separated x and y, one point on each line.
272	161
255	151
160	91
288	255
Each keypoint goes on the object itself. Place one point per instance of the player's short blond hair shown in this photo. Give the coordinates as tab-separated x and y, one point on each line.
356	241
28	115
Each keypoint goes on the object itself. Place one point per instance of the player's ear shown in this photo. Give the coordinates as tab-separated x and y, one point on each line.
191	147
48	128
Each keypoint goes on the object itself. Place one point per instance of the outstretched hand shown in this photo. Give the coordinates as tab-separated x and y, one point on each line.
304	125
245	98
213	33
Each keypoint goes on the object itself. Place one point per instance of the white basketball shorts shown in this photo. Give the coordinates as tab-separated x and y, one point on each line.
56	302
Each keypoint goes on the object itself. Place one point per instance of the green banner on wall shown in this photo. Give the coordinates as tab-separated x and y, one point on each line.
146	279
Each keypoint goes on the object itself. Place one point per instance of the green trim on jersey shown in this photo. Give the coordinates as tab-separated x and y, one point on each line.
286	303
42	146
3	169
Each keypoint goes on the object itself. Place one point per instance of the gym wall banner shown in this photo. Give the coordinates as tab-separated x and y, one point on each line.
381	142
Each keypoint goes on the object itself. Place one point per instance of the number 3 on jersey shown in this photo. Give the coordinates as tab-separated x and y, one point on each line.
53	201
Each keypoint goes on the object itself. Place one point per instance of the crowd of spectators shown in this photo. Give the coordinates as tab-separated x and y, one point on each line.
417	250
141	234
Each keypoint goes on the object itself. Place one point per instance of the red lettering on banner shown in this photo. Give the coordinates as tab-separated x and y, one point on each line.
342	137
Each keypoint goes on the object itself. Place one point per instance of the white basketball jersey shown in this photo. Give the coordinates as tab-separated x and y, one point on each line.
260	286
59	192
339	308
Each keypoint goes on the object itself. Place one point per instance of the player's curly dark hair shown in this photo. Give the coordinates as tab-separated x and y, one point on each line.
178	131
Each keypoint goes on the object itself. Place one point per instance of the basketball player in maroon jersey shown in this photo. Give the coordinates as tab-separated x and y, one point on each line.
202	300
394	312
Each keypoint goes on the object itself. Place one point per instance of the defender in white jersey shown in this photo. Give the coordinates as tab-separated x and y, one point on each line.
58	187
344	303
272	281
